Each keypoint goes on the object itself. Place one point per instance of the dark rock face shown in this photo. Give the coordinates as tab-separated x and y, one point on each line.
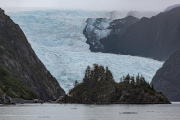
17	56
167	78
120	96
139	96
157	37
97	29
4	98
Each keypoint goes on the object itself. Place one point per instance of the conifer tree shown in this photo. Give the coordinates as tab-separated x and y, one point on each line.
142	80
109	75
152	87
87	75
76	83
137	79
127	79
96	72
132	81
102	75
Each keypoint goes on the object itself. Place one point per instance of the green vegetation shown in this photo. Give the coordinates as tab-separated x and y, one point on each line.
95	81
13	87
129	82
99	81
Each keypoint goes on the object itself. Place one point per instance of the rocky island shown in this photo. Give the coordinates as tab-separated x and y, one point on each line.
98	86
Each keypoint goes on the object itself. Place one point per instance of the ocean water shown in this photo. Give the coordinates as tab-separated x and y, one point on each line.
90	112
57	38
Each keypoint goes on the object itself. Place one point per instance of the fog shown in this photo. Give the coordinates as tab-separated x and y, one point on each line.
108	5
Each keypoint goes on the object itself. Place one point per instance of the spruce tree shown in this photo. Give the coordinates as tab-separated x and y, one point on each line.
127	79
102	75
142	80
87	75
76	83
96	72
109	75
132	81
137	79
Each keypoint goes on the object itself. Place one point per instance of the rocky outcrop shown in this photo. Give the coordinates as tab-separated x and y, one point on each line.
97	29
19	59
167	78
139	96
120	96
4	98
98	86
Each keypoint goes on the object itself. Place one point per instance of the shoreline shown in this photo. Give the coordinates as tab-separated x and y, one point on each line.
104	103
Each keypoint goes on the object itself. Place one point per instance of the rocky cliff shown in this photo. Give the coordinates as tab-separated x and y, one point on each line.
99	28
156	37
167	78
18	58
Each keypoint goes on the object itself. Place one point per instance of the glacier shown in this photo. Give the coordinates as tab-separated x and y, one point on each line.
57	38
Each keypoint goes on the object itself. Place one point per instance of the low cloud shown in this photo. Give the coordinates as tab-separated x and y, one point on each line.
138	5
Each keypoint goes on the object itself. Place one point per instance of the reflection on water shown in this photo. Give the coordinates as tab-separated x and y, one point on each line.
90	112
128	113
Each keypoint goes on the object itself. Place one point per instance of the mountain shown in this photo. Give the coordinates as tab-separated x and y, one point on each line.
171	7
167	78
57	38
156	37
20	67
141	14
99	28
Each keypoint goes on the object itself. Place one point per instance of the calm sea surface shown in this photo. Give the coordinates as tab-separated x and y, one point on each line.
90	112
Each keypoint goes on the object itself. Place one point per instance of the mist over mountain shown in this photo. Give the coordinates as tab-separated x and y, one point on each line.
171	7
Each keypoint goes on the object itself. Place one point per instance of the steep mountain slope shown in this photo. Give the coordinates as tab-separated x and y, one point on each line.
167	78
157	37
171	7
99	28
58	40
18	58
10	86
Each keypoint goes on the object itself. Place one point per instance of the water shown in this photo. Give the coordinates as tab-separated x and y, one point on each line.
90	112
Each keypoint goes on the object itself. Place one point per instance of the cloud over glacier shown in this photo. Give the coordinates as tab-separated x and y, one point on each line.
58	40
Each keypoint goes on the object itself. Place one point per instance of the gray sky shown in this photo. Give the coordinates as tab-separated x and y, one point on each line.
138	5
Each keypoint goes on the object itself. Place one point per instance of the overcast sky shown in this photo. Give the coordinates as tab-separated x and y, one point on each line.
138	5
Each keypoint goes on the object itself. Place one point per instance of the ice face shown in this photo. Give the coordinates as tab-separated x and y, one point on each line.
58	40
98	29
